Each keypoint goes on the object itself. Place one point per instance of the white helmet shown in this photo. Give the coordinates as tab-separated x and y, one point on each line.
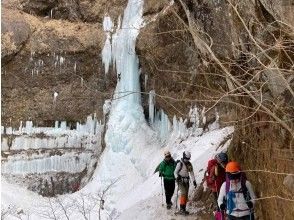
186	155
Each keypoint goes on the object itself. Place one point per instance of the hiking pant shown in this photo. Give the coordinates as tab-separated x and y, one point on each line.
169	188
184	188
215	197
246	217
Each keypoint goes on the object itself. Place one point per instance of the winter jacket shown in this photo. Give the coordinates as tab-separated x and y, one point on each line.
241	208
167	168
184	170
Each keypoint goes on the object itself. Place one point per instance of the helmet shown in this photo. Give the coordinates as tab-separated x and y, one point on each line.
186	155
167	153
233	167
222	158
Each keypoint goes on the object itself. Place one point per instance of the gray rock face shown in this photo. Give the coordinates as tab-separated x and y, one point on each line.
289	182
15	32
277	84
281	10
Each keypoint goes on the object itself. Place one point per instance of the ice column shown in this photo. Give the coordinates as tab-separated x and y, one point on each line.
162	125
106	52
194	116
151	106
126	114
124	54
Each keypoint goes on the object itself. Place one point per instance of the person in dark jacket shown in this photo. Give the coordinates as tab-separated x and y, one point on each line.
166	170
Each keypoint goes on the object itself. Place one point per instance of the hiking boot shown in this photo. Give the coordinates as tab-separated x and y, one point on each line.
183	212
169	205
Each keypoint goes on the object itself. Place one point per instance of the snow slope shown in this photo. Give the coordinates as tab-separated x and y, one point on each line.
134	196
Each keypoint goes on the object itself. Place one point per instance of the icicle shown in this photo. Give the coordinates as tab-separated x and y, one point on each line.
106	106
215	124
64	163
63	125
107	24
106	53
164	125
29	127
20	127
151	106
75	67
194	116
31	57
145	81
61	60
9	130
82	82
56	124
55	94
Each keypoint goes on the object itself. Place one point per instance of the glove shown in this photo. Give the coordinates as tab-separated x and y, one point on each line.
222	207
194	183
179	178
249	204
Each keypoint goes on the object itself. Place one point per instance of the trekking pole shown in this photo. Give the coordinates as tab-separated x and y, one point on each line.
177	197
222	214
161	192
251	213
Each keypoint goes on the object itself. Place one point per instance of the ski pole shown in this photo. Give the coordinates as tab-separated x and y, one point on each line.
177	196
161	192
251	214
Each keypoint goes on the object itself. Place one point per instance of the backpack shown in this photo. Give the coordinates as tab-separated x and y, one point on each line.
244	189
188	165
243	186
209	177
181	166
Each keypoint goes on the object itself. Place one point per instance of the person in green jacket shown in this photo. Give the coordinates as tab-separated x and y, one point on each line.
166	170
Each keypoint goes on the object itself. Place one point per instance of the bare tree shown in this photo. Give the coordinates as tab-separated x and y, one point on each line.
89	203
85	204
65	207
13	211
49	210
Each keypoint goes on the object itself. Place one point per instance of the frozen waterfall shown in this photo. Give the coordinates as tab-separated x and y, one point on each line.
126	114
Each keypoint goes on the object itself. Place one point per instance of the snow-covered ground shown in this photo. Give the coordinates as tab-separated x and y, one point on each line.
133	196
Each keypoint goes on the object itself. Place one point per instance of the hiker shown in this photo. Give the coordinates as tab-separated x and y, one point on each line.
216	175
236	194
183	172
166	171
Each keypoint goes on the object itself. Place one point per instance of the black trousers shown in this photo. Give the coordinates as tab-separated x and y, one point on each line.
169	188
215	197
